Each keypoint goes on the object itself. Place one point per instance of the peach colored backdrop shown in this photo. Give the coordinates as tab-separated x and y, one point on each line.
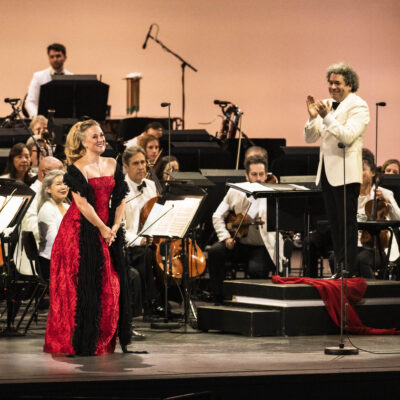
264	55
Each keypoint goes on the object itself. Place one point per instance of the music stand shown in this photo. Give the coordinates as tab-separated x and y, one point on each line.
159	225
16	199
74	96
275	191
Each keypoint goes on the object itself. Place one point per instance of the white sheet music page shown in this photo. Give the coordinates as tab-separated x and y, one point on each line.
9	211
173	218
253	187
184	212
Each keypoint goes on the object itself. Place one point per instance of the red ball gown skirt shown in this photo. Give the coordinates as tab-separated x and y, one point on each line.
64	276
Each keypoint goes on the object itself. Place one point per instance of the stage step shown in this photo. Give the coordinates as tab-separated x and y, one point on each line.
296	309
246	321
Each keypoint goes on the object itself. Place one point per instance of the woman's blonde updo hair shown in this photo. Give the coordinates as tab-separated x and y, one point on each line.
74	149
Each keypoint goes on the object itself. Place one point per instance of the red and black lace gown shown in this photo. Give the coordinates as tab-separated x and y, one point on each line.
73	318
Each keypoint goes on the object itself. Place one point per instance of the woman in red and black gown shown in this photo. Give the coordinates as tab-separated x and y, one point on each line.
89	299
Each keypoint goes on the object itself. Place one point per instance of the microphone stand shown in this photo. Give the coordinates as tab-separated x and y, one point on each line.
183	66
341	349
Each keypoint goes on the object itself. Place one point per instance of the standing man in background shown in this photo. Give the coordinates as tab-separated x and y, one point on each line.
340	122
57	54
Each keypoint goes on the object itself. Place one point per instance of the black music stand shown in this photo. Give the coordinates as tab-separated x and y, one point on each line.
10	188
74	96
276	192
176	191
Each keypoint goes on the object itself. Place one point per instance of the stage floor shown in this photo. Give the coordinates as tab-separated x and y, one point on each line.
200	358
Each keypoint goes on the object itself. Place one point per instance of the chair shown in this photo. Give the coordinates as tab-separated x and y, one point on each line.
41	284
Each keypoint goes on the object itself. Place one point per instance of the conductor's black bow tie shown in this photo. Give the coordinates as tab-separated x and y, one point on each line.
335	105
142	185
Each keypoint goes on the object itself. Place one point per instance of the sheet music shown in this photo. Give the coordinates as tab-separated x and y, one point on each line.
174	216
9	210
254	187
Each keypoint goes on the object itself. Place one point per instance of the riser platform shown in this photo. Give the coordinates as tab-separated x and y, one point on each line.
261	308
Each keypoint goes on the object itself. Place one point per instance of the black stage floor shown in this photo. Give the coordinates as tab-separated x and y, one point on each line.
197	365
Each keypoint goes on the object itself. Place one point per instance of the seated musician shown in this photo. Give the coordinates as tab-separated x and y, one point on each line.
391	167
366	258
151	146
140	255
256	151
258	247
153	128
168	165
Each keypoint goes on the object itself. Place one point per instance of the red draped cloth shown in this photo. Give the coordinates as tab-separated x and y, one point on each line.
329	290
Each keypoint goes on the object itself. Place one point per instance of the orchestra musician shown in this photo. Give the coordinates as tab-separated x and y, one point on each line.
57	54
168	165
256	151
391	167
258	247
366	258
153	128
140	255
340	123
151	146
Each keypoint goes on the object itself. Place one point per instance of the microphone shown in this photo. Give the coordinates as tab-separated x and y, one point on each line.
381	104
8	100
147	37
341	145
165	104
221	102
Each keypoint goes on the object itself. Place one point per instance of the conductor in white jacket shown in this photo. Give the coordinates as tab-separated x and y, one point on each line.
340	123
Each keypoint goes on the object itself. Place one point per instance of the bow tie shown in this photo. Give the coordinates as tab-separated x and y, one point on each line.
335	105
58	73
141	186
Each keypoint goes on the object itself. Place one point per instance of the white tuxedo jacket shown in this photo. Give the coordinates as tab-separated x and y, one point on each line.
237	201
347	125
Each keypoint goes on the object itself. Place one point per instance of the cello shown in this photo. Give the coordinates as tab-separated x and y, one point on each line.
196	259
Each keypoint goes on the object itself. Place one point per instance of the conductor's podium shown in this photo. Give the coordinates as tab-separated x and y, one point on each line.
262	308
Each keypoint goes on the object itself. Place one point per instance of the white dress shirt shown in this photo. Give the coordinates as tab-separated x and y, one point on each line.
39	78
133	208
49	220
132	142
394	214
238	202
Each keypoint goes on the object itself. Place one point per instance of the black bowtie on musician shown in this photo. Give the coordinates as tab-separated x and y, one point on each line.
335	105
142	185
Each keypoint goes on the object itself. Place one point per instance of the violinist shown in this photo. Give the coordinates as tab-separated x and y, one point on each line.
168	165
366	257
153	128
257	248
139	254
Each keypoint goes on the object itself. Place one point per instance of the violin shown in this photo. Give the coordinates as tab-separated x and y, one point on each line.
376	210
271	178
238	224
